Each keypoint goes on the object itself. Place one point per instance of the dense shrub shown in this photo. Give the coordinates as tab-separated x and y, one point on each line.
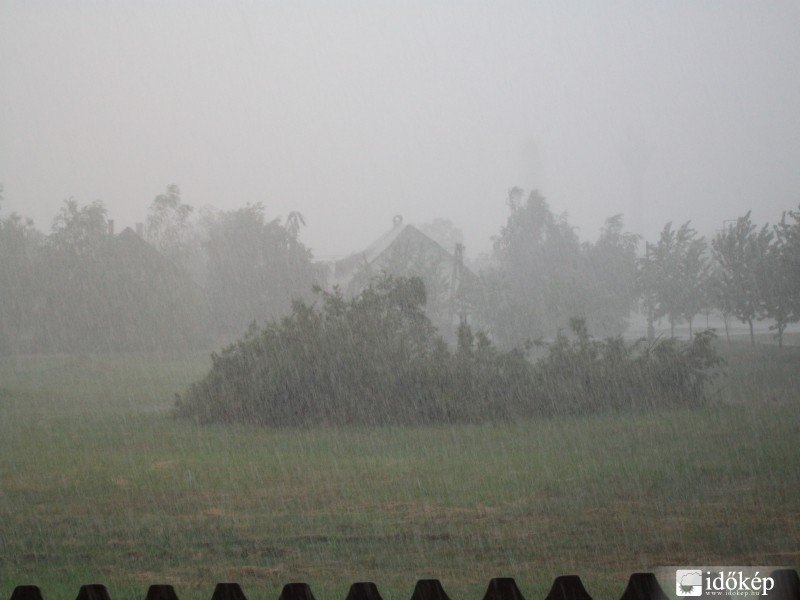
377	359
580	374
367	360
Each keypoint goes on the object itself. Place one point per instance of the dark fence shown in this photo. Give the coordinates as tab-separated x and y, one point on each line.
641	586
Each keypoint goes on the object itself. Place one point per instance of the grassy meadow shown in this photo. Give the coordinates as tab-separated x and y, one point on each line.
98	483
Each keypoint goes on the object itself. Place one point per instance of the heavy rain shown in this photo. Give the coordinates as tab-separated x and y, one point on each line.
386	300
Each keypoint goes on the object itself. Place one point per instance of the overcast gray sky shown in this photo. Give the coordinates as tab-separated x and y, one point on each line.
352	112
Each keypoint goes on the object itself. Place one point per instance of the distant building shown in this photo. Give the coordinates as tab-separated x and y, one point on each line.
405	250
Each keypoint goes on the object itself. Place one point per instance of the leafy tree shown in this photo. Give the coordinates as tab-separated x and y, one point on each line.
73	275
716	298
94	292
610	275
542	275
740	253
18	236
20	245
79	230
661	277
294	221
694	269
169	226
674	275
255	268
537	282
647	278
780	275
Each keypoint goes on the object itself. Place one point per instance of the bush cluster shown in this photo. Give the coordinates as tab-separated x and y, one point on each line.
580	374
377	360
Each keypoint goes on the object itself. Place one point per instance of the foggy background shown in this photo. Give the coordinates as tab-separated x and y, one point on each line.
353	112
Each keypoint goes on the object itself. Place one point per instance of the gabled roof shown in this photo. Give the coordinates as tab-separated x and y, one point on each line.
345	268
134	247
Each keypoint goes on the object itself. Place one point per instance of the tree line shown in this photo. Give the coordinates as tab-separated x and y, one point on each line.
541	275
204	275
188	280
745	272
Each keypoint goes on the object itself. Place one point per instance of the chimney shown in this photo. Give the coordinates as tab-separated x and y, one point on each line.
140	230
111	227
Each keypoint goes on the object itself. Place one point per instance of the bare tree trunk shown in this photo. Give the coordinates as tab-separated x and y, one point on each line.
752	337
690	328
727	329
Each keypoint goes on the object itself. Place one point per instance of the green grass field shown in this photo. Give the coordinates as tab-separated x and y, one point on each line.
99	484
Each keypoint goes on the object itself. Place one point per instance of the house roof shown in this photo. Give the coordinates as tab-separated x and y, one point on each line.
135	247
345	268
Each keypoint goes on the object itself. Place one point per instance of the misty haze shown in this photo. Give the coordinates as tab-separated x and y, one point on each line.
397	292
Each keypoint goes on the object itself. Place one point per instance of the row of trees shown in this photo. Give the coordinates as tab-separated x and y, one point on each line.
542	275
81	289
747	272
251	268
196	280
204	275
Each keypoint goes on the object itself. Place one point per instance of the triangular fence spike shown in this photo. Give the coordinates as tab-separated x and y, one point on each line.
568	587
161	592
503	588
787	585
429	589
228	591
364	590
93	591
296	591
26	592
643	586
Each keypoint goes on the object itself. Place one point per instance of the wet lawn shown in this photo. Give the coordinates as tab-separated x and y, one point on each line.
99	484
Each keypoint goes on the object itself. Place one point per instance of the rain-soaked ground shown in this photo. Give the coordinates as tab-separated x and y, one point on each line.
99	484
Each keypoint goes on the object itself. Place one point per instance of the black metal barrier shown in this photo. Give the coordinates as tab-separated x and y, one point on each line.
641	586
